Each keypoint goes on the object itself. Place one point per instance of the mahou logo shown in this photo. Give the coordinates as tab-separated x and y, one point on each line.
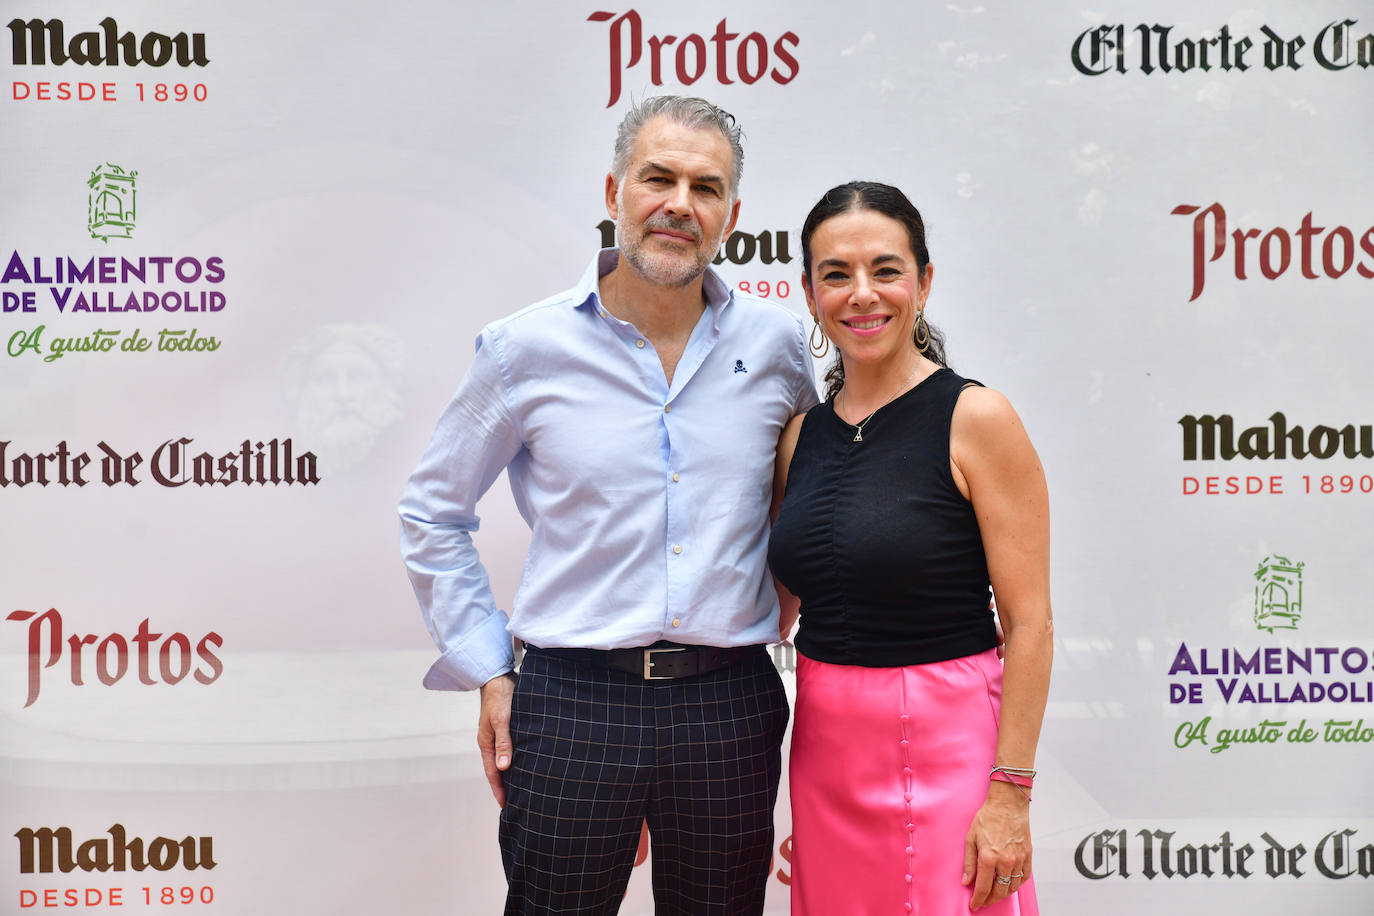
167	658
740	248
45	850
1272	250
1210	437
686	58
38	43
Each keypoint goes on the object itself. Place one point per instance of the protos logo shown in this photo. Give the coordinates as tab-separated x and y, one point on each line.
173	658
1272	251
748	62
37	43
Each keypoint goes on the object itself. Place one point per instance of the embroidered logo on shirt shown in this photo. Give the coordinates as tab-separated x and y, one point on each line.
739	366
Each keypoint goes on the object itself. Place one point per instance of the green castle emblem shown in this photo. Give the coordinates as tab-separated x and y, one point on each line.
1278	594
111	206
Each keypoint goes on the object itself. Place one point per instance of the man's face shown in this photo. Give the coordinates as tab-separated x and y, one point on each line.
673	208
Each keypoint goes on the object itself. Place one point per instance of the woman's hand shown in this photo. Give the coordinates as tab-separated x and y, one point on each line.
998	844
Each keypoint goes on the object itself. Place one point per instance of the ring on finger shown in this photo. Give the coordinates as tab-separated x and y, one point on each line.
1019	874
1004	879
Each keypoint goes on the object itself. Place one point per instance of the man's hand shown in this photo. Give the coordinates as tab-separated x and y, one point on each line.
997	622
493	731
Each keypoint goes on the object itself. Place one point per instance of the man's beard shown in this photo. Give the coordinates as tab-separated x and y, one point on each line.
664	269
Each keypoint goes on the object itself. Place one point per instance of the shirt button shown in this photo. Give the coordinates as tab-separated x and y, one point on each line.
667	408
677	548
675	477
640	343
603	313
677	622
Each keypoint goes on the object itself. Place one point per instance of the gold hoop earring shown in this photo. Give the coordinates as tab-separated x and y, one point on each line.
922	332
818	350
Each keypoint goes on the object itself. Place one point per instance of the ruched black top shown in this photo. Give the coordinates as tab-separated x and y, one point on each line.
877	541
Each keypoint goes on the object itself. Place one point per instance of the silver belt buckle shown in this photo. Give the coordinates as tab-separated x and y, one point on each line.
649	662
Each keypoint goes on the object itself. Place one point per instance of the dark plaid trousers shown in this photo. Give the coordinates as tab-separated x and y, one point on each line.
598	752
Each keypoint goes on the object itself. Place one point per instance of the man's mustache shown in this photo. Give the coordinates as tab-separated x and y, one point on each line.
684	226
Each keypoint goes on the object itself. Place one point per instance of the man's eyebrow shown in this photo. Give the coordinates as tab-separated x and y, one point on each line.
654	168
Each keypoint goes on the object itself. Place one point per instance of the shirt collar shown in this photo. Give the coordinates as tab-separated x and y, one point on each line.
718	293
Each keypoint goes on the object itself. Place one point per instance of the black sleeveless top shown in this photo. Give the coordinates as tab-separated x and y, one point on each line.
877	541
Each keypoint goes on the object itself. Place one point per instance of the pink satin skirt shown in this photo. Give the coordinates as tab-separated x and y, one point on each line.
888	767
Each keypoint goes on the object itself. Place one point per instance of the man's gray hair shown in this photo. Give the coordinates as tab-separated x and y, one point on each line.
687	111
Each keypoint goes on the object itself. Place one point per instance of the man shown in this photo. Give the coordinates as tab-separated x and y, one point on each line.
637	416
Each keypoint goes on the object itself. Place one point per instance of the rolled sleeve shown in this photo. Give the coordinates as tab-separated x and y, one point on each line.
482	655
474	440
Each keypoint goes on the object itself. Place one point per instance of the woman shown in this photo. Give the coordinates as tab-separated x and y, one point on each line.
907	493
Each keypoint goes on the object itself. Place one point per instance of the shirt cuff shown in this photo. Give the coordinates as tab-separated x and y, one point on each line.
483	655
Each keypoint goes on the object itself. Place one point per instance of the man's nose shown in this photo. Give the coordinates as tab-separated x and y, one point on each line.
679	202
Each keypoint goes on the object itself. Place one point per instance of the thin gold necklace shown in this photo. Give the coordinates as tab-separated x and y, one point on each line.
859	427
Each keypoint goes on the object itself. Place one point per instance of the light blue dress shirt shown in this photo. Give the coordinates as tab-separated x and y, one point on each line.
647	502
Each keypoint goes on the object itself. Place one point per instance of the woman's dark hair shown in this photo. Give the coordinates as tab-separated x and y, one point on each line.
890	202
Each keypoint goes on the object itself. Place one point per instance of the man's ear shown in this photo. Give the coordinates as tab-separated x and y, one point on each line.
734	218
612	191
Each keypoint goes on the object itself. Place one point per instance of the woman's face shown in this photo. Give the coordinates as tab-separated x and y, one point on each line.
865	288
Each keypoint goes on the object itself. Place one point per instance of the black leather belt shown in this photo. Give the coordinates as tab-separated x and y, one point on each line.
663	661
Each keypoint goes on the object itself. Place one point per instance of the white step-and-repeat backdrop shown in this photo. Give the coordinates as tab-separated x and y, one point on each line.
246	248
